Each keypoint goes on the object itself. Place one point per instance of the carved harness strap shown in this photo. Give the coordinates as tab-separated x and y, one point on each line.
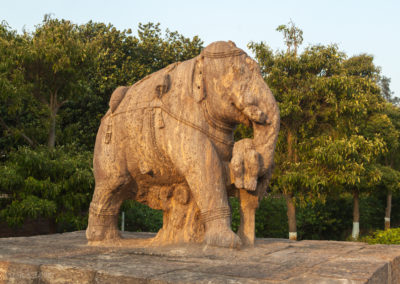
199	128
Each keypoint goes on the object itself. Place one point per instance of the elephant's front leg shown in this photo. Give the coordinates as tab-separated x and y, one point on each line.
196	158
244	169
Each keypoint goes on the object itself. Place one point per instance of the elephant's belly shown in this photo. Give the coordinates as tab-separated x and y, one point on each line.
152	179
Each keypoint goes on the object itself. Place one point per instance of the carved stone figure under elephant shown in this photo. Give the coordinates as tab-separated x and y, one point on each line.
167	141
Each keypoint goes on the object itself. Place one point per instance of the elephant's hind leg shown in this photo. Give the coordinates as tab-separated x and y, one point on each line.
104	208
114	184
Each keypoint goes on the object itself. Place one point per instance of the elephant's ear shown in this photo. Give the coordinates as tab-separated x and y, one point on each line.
198	85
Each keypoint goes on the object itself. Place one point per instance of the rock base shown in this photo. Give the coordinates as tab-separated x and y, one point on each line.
66	258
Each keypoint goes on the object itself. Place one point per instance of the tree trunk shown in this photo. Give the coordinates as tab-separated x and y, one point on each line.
54	106
291	213
291	208
52	131
356	215
289	146
388	209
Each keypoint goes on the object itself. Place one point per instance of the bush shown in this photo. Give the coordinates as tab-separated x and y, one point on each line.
372	211
323	220
388	237
271	219
53	183
141	218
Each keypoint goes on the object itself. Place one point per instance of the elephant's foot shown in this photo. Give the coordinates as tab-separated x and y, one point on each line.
97	234
222	238
102	229
220	235
218	232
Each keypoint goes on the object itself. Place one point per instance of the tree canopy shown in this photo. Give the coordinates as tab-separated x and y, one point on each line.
334	123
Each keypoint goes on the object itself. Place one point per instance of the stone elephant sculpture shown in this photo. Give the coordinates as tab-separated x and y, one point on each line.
167	141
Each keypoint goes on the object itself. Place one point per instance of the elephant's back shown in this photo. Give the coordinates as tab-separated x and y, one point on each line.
143	92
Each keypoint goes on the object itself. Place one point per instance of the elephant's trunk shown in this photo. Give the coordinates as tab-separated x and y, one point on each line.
257	105
253	159
250	155
266	124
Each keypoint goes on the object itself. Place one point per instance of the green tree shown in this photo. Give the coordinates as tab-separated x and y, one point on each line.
54	63
370	123
19	114
54	183
325	100
292	35
386	124
384	83
298	83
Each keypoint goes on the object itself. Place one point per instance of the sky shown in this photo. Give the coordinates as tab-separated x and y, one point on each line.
356	26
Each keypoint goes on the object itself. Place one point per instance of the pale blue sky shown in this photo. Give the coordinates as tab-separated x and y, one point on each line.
356	26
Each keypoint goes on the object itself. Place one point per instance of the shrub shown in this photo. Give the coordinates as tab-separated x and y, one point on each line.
54	183
271	219
325	220
391	236
141	218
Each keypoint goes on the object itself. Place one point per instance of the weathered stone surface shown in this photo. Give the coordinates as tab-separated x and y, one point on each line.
167	141
66	258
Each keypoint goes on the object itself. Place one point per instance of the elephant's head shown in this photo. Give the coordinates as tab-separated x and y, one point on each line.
231	85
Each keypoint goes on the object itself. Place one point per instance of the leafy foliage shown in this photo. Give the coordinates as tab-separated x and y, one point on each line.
335	129
141	218
388	237
20	115
56	183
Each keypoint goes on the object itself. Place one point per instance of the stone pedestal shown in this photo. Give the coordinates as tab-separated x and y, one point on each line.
65	258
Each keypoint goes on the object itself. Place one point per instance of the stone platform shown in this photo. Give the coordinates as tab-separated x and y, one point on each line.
65	258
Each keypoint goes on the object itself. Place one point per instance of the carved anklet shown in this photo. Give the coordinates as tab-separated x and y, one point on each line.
214	214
